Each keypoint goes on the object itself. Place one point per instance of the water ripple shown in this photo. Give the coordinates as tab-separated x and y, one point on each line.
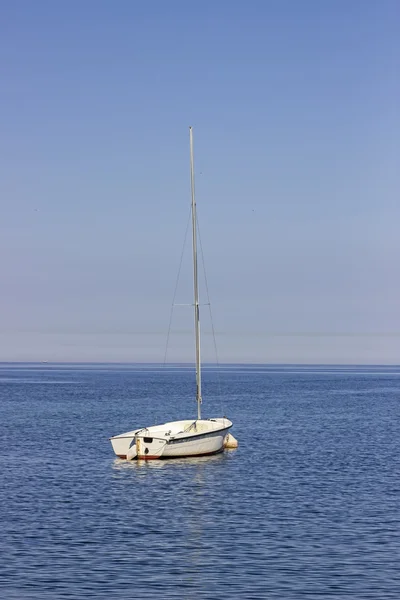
307	507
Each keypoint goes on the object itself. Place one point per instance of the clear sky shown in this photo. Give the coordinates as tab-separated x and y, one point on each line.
295	109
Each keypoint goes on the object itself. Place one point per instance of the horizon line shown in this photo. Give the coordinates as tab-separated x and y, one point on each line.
192	363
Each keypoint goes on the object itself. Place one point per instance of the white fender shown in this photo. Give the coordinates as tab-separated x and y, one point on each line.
230	442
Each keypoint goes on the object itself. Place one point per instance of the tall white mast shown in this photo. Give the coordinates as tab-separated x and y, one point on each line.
195	281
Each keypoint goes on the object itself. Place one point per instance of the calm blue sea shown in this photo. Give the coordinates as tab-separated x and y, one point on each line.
307	507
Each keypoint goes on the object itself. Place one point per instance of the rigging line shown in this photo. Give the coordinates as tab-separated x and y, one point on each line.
176	287
211	316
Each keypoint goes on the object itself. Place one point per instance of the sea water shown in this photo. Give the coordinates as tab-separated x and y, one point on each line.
308	506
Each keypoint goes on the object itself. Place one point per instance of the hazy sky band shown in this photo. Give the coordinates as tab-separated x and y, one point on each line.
295	109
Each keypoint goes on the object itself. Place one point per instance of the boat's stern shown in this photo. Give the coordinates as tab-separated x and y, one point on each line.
121	443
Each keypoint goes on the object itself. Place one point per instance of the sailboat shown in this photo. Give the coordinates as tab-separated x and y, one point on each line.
189	437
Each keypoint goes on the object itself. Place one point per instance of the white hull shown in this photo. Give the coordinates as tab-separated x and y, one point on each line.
177	439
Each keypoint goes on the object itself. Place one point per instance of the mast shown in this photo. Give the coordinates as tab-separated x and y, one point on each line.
195	281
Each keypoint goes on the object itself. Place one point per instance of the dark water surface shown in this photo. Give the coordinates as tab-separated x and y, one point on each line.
307	507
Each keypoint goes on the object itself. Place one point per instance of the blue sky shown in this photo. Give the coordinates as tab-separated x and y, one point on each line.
295	109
